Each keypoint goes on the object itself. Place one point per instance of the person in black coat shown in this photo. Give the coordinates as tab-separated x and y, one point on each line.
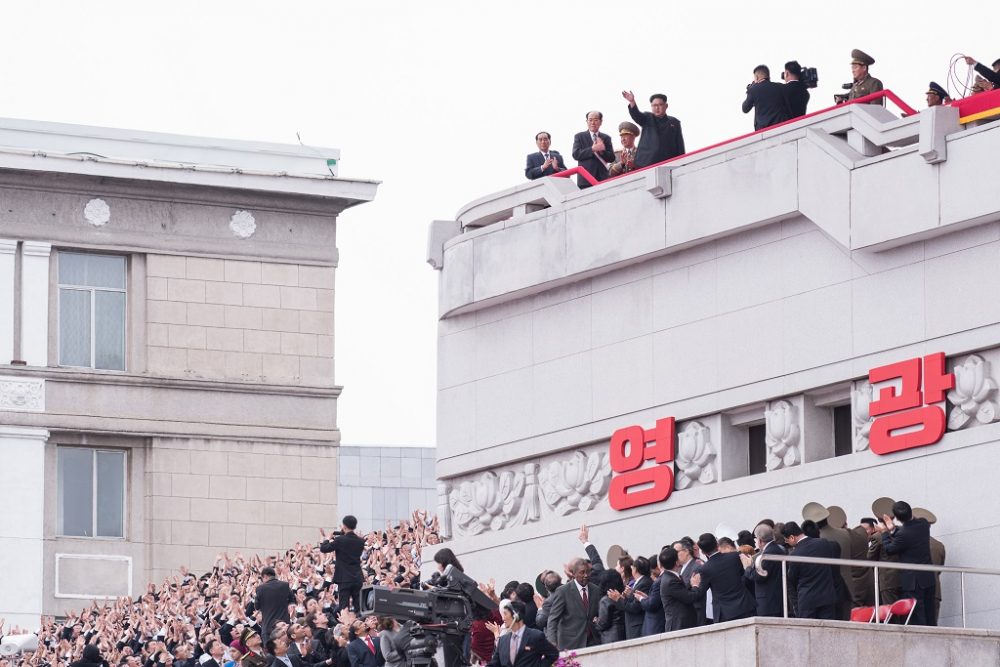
767	99
273	598
661	137
91	658
544	162
526	593
991	75
610	616
911	541
811	586
347	546
593	150
796	93
723	575
766	575
630	601
677	599
532	648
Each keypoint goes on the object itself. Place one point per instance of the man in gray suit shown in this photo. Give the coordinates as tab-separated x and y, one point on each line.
574	610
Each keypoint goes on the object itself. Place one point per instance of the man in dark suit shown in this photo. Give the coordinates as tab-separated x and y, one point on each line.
652	607
280	657
522	646
911	541
766	575
593	150
347	547
544	162
363	651
766	98
630	604
990	74
723	575
811	586
661	137
796	93
273	598
690	565
575	606
677	599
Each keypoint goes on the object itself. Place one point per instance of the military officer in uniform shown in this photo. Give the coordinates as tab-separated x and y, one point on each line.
936	95
888	579
625	158
864	83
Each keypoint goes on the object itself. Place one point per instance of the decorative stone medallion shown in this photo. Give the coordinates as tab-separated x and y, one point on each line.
97	212
242	224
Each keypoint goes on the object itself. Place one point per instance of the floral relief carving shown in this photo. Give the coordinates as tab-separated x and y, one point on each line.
242	224
782	436
494	501
19	395
971	396
695	456
861	398
97	212
444	511
575	483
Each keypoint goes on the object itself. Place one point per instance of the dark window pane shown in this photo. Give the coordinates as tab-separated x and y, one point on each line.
76	492
110	494
74	327
843	431
109	330
758	449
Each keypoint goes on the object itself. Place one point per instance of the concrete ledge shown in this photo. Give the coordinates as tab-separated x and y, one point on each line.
776	641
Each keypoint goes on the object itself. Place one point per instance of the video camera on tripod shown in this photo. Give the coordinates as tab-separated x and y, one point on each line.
441	615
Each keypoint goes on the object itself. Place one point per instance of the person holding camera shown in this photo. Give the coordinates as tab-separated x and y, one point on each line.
767	99
796	92
347	547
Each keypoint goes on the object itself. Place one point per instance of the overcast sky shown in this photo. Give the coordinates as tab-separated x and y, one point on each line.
440	101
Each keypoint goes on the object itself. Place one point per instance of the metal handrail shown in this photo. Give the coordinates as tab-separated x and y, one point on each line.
875	565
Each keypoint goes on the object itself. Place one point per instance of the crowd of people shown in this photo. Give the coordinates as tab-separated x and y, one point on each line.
660	136
712	579
298	609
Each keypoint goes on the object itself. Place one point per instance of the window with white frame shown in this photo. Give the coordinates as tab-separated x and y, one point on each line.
91	492
92	311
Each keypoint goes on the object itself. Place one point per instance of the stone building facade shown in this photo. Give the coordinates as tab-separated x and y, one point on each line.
167	387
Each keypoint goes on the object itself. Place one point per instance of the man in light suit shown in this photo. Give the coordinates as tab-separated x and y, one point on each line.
544	162
574	609
593	150
522	646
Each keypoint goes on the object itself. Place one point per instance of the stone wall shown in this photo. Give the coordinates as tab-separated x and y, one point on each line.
240	320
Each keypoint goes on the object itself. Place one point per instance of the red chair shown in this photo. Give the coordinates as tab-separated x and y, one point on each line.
898	608
863	614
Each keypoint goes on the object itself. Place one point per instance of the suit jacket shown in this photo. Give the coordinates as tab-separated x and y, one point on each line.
610	621
841	539
861	582
988	74
542	617
768	590
533	168
634	614
723	574
661	138
569	625
348	548
813	584
273	598
937	558
912	543
534	651
692	568
767	99
294	659
866	86
583	153
797	97
652	606
360	655
678	603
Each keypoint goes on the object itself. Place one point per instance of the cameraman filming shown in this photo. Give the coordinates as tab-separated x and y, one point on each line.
767	99
796	92
347	547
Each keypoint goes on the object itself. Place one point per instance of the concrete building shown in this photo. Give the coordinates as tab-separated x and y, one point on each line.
385	484
166	337
700	343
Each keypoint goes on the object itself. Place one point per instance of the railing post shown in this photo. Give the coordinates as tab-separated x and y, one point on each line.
963	599
784	588
876	594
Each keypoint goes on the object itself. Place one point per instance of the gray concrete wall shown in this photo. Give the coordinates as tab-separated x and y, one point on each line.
380	484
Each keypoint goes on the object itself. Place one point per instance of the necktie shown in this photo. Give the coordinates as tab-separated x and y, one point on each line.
586	602
513	647
545	155
371	645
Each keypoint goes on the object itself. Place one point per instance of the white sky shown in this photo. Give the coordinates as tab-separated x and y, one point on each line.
440	101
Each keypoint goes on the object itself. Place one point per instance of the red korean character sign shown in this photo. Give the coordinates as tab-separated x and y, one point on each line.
924	383
631	447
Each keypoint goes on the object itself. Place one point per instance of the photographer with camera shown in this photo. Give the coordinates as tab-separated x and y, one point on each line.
796	91
347	547
767	99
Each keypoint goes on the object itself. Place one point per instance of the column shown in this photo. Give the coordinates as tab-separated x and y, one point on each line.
8	248
35	303
22	458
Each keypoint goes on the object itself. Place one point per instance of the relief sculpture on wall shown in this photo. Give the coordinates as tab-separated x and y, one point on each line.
974	386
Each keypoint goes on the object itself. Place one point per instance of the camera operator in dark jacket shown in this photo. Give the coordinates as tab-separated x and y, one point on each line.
347	546
767	99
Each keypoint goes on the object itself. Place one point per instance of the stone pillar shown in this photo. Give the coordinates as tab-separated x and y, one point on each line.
35	303
22	458
8	248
